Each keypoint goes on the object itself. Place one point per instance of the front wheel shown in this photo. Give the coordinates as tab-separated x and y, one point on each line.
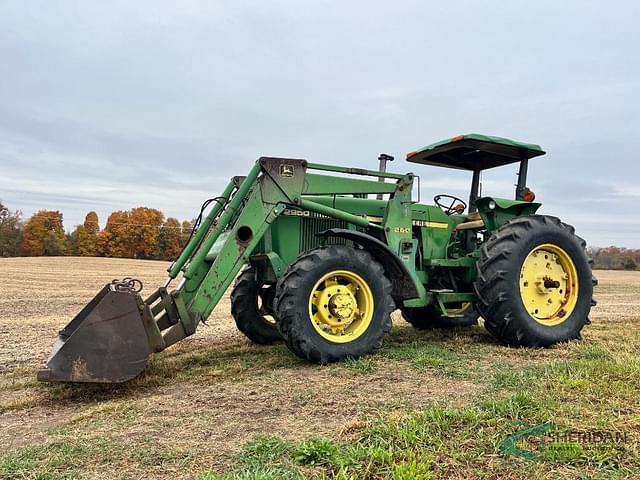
252	308
334	303
534	282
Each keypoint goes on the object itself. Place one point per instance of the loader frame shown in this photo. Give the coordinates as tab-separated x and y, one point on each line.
245	211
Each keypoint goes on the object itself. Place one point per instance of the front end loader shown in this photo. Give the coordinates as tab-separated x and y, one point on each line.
321	255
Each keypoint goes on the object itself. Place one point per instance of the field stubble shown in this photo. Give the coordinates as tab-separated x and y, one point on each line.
199	402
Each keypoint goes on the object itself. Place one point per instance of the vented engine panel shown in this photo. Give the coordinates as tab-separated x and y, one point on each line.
312	225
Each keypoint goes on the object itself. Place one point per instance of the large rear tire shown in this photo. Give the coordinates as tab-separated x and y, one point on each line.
430	316
334	303
252	308
534	282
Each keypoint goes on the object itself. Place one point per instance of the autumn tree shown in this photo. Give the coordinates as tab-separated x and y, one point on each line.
87	235
170	239
145	234
44	234
10	232
116	237
187	226
102	243
137	233
133	234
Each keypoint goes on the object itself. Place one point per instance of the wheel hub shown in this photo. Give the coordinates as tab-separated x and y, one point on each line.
341	306
336	307
549	284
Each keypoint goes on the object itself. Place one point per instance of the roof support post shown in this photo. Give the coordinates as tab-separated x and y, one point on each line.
522	178
475	188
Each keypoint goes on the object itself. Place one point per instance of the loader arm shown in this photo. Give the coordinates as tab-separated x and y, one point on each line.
216	257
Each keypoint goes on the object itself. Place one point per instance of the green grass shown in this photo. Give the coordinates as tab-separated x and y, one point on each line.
264	459
362	365
585	386
593	385
590	387
593	388
70	458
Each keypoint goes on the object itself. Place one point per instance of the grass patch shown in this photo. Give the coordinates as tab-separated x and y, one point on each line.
68	457
362	365
590	386
264	458
575	393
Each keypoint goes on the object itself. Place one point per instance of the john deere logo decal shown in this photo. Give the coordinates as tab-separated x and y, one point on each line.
286	170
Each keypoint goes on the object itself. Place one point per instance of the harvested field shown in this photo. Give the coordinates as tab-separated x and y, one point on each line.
431	404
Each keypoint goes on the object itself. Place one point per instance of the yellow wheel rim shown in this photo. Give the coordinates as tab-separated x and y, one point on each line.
341	306
549	284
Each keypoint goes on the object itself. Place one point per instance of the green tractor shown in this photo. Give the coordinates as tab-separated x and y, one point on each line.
320	261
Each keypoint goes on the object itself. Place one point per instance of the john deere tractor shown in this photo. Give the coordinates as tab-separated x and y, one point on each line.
321	255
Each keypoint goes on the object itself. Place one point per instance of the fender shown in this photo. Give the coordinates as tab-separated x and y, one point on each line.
403	284
495	212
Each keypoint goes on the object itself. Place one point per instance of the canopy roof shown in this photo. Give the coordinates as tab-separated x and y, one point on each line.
474	152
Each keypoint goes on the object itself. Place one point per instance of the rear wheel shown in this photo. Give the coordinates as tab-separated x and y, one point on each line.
252	308
334	303
462	315
534	282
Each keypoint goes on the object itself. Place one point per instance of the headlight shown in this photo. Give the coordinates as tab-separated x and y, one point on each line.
492	205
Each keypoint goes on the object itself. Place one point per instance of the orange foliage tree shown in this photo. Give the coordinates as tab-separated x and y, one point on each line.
44	234
170	239
137	233
87	235
133	234
102	243
114	238
146	232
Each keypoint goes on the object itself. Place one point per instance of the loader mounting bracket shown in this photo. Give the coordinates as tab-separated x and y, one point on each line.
286	175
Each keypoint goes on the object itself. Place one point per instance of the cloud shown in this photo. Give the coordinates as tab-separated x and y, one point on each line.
113	105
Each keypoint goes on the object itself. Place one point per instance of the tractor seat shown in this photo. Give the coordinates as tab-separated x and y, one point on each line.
473	221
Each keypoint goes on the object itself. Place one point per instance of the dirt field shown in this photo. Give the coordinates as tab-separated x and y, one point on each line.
198	405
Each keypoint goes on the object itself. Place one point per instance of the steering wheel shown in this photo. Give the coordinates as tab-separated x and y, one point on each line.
449	207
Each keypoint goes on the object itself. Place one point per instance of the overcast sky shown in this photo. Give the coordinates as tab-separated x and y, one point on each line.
112	105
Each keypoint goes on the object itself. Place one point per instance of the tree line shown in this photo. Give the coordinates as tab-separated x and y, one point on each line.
615	258
145	233
141	232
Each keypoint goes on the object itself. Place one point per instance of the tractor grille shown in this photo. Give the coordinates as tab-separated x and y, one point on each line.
310	226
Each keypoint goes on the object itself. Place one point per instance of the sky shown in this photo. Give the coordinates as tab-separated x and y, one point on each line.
111	105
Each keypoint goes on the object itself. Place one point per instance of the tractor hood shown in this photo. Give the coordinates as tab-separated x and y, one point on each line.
474	152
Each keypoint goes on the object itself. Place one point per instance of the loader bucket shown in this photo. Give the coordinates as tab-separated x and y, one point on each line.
105	343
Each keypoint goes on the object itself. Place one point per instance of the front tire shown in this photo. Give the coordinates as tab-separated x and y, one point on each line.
252	309
534	282
334	303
